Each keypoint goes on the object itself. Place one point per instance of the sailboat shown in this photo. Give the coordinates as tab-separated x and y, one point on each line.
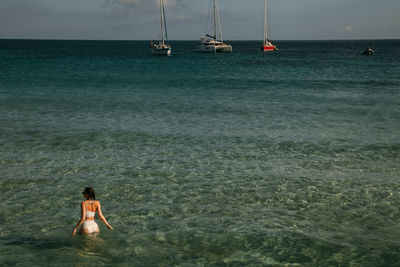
162	47
267	45
210	43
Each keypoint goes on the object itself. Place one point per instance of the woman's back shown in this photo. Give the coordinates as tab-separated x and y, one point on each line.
90	207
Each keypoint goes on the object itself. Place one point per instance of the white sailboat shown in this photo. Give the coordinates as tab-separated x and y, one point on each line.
210	43
267	45
162	47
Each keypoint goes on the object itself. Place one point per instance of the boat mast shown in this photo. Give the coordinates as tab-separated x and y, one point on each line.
162	21
165	23
265	21
219	23
215	19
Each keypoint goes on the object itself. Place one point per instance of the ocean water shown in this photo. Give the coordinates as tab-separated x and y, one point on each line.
289	158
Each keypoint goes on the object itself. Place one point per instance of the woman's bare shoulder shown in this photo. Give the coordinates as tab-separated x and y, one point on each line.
97	204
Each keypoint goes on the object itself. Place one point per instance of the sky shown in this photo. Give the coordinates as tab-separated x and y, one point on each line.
187	19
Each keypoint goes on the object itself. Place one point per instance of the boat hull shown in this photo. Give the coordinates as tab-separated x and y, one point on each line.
161	52
224	49
214	49
268	48
206	49
368	52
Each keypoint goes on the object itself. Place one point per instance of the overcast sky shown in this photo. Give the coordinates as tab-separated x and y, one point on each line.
186	19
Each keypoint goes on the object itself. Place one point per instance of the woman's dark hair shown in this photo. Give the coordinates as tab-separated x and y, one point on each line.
89	192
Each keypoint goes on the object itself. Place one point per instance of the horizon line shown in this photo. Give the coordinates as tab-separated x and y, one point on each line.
196	40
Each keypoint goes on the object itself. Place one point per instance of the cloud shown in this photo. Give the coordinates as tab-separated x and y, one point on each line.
347	29
141	3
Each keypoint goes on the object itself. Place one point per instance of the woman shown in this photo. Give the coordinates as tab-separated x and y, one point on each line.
88	210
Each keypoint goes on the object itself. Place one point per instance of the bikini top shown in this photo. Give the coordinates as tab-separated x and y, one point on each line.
89	213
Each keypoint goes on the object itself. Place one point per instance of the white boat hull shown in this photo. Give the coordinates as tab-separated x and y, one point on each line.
214	49
224	49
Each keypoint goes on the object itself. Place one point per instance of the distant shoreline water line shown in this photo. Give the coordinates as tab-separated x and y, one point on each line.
196	40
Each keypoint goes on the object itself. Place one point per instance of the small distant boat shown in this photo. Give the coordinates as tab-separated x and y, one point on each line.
210	43
368	51
162	47
267	45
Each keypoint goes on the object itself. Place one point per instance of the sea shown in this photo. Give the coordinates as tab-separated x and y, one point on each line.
288	158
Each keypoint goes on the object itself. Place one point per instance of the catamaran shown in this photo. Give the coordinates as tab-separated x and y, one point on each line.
162	47
267	45
210	43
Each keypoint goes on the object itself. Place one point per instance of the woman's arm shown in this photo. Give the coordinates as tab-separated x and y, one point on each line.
83	216
101	216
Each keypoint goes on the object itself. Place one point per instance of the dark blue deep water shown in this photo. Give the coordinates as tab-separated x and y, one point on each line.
286	158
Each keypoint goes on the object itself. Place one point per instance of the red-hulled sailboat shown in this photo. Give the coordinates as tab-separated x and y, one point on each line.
267	45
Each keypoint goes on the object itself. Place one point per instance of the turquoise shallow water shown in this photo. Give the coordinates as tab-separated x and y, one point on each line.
234	159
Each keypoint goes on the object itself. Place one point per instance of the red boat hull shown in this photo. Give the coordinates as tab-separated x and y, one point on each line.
267	48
